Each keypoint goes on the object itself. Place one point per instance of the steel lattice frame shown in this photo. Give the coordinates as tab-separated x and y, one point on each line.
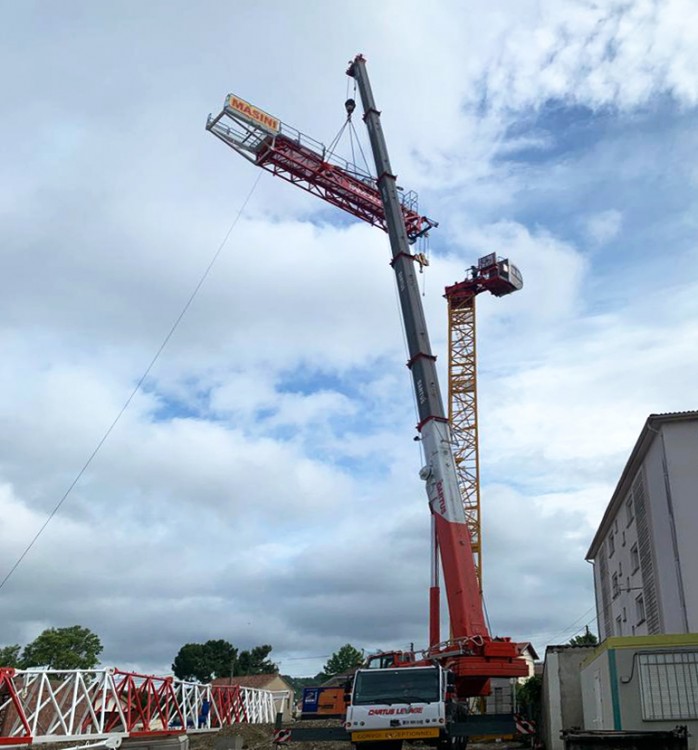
462	412
306	163
43	706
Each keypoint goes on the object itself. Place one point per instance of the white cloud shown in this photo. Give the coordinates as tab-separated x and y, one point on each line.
263	487
602	227
615	53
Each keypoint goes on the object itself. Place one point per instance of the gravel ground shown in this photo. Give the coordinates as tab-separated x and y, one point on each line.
259	736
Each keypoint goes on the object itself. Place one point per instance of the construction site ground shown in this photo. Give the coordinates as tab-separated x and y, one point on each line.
259	737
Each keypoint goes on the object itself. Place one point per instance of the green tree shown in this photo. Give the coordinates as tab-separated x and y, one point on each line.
222	657
74	647
343	660
529	696
190	663
203	662
255	661
587	638
9	656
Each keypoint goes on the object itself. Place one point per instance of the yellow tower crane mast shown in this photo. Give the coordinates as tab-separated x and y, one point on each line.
499	277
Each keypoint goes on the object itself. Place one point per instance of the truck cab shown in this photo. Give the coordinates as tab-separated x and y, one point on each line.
405	703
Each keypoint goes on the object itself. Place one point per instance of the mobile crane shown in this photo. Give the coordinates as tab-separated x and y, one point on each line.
448	672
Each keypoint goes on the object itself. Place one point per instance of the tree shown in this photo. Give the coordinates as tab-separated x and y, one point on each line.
74	647
587	638
528	696
9	656
222	657
190	663
203	662
343	660
255	661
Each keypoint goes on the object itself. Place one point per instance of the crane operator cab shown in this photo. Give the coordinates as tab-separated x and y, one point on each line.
499	275
387	659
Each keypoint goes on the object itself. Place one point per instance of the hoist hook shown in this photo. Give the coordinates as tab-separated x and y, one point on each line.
350	106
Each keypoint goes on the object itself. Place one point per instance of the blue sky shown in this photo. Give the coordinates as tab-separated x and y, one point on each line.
269	462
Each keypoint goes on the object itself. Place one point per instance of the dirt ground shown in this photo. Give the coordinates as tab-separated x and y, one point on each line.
259	737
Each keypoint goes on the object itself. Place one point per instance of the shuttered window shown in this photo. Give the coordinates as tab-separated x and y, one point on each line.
669	685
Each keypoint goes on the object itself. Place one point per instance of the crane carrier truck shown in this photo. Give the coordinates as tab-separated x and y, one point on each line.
399	695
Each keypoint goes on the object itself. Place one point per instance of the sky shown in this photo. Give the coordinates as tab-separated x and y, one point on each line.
262	486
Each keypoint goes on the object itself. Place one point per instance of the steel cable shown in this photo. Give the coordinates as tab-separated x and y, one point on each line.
137	387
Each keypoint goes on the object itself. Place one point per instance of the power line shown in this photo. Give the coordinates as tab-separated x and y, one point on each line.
137	387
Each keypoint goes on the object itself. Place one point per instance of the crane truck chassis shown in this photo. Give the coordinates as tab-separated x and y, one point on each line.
389	706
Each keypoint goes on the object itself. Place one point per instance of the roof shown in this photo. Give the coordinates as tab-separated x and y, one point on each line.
557	648
637	455
259	681
644	642
525	646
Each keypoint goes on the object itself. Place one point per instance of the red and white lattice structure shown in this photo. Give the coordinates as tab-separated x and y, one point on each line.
301	160
43	706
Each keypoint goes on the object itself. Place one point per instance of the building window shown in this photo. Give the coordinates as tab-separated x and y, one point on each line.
634	558
615	588
640	609
625	616
611	545
619	626
669	685
620	567
623	534
629	513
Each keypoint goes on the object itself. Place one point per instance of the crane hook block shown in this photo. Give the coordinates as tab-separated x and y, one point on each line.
350	106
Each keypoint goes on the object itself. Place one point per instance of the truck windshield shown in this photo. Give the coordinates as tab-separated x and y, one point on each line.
396	686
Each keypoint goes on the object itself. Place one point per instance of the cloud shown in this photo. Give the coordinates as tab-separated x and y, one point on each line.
263	484
604	226
614	54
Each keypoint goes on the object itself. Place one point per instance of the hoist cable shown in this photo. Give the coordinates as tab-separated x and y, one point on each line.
358	141
351	143
335	140
137	387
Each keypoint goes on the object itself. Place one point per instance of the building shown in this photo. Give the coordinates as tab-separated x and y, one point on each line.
642	684
280	689
645	553
561	699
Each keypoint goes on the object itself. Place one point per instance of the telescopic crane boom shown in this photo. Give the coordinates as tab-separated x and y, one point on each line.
464	601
